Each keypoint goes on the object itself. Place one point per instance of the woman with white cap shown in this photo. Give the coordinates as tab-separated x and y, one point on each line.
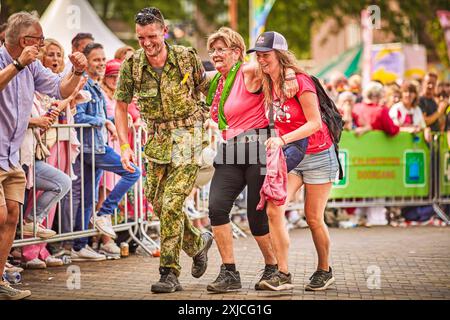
297	118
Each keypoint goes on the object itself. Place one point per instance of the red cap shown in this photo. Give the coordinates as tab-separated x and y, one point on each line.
112	67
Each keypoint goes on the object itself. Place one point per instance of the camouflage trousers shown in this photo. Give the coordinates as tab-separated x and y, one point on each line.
167	187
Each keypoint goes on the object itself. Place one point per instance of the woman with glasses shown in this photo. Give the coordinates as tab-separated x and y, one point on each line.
237	105
300	118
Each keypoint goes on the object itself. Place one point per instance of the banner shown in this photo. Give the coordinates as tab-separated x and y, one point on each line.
376	165
259	10
444	158
444	19
388	62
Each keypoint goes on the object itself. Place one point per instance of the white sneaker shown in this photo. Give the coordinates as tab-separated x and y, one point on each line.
9	293
86	254
110	250
35	264
104	225
41	231
51	261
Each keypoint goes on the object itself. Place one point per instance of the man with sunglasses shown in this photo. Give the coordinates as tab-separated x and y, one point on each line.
21	74
167	81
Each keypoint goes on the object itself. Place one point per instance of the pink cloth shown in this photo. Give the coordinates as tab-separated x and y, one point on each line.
39	250
243	110
274	188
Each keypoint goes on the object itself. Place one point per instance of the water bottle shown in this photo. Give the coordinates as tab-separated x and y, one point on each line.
12	277
66	259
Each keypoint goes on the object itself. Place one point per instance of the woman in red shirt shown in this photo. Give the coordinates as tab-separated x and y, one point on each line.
295	119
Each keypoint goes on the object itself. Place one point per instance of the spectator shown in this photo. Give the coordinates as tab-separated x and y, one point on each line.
338	83
406	114
123	53
393	94
93	113
354	85
18	65
79	42
345	104
432	113
370	114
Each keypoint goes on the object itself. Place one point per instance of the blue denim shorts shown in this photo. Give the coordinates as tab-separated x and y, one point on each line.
318	168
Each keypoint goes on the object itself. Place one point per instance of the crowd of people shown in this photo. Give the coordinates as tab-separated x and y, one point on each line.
85	169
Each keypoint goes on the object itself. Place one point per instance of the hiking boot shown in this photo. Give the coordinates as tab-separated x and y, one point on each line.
200	262
269	270
320	280
168	282
226	281
277	282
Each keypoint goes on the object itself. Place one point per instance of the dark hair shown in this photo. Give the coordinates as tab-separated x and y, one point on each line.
149	15
411	88
91	46
81	36
3	27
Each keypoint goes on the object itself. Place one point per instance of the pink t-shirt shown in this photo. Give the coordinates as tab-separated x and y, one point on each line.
243	110
290	117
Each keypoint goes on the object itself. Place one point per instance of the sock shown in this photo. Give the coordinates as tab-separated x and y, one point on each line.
230	267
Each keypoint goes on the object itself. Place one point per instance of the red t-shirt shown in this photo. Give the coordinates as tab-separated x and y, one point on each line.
290	117
377	116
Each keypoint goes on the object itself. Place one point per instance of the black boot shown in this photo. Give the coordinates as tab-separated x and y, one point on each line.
168	282
200	262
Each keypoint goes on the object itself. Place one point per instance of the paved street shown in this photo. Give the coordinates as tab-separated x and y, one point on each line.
412	263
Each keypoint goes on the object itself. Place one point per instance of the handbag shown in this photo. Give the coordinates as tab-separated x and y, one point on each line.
295	151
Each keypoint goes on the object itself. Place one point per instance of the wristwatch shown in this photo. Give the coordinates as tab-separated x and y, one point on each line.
77	73
18	65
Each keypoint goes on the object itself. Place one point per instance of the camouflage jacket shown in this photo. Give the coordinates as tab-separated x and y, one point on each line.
171	104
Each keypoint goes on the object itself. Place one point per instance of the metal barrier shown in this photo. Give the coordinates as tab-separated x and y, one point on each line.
134	225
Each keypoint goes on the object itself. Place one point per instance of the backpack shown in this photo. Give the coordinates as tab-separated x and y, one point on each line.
331	117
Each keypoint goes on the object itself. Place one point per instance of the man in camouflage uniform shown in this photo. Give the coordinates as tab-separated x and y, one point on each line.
167	81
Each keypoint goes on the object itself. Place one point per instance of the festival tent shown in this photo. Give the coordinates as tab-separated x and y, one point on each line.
63	19
348	62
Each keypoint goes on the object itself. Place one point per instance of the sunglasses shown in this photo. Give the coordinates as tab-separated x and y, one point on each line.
146	17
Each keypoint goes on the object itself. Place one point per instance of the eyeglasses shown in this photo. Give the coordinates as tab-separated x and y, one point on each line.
41	38
146	18
219	51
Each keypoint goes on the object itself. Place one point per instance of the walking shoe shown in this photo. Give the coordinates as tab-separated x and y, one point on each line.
269	270
104	226
168	282
277	282
9	293
86	254
41	231
200	262
36	263
110	250
226	281
51	261
320	280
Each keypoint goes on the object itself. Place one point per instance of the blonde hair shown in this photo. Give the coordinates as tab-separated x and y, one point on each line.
230	37
43	51
122	52
286	59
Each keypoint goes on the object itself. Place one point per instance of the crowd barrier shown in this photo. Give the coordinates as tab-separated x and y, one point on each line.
404	170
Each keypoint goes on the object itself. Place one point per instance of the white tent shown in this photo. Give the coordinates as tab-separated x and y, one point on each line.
63	19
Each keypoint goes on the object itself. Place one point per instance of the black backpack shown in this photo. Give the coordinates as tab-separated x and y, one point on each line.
331	117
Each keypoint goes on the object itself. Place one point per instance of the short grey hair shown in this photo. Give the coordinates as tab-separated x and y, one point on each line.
16	24
373	90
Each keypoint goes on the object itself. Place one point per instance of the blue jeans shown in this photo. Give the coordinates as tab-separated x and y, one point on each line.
109	161
55	185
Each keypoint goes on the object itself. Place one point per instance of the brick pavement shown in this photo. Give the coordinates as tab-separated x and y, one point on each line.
414	264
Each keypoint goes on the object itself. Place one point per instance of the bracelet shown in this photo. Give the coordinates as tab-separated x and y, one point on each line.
77	73
284	141
290	78
125	146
